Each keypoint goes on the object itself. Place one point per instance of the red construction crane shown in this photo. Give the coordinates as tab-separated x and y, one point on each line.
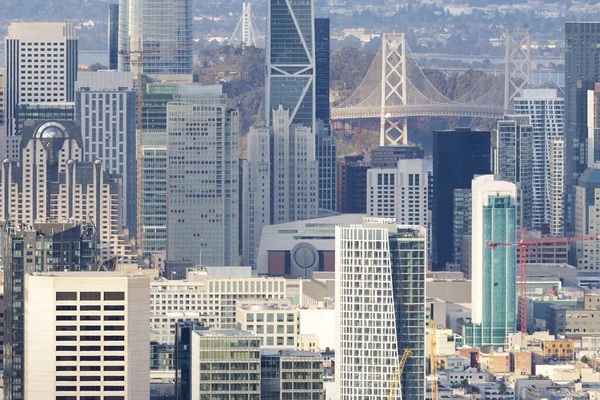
359	133
523	245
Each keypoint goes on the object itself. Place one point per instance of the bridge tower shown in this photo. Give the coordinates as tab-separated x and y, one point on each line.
394	82
517	64
245	32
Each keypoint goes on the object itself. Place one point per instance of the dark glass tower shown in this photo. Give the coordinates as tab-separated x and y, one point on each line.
42	247
582	69
113	36
322	38
458	155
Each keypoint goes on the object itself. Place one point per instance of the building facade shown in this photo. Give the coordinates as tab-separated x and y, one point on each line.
493	279
387	261
556	192
547	113
275	322
202	178
86	332
113	36
587	218
351	191
458	155
289	374
65	247
37	52
106	109
161	31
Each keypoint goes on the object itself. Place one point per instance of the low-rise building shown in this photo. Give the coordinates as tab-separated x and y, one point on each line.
275	322
289	374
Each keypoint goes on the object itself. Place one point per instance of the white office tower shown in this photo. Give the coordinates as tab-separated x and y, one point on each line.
401	193
256	186
202	177
295	170
547	112
41	67
587	218
87	334
380	308
557	187
106	109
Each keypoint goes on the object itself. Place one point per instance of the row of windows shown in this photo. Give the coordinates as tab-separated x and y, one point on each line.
90	296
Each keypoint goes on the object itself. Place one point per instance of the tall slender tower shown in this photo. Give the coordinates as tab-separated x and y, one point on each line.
37	52
113	36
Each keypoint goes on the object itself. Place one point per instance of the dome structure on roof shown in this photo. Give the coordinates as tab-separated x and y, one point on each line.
52	130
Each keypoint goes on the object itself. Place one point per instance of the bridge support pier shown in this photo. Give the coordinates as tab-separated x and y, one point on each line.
393	131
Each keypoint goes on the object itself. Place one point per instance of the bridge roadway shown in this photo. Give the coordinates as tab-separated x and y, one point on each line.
425	110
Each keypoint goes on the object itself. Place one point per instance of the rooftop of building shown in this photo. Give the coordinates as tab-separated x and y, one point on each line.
265	305
289	353
88	274
225	333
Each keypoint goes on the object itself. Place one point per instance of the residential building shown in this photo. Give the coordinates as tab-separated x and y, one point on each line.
582	69
256	204
587	219
574	321
559	349
294	170
65	247
458	155
106	109
516	161
161	31
290	374
225	350
493	279
86	332
202	177
37	52
351	191
207	299
546	112
55	184
113	36
274	322
290	62
461	224
387	315
556	192
401	192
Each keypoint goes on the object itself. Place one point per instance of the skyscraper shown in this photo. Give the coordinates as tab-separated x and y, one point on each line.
493	292
458	155
38	52
70	350
514	162
290	59
106	110
202	177
582	69
587	219
546	112
351	182
113	36
161	30
53	247
557	187
386	315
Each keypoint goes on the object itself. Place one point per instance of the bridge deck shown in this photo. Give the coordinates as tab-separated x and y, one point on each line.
436	110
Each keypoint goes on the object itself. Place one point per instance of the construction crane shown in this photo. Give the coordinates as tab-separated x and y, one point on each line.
140	98
359	133
523	246
433	373
398	374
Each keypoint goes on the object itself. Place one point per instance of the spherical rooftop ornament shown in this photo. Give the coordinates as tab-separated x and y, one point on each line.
51	130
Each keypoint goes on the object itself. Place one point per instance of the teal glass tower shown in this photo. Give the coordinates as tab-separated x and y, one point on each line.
494	221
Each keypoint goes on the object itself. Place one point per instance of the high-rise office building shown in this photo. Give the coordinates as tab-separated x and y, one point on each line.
493	292
113	36
25	114
461	226
290	61
54	184
294	170
41	67
256	203
202	177
587	219
326	140
582	69
515	161
36	247
161	30
351	182
86	335
106	110
289	374
386	315
546	112
183	357
458	155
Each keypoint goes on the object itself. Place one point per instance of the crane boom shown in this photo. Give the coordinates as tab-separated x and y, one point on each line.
433	360
398	374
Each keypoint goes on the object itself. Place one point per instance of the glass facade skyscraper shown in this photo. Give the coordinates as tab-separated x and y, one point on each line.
290	57
493	273
113	36
161	30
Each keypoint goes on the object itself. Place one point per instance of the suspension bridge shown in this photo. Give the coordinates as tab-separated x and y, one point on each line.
395	88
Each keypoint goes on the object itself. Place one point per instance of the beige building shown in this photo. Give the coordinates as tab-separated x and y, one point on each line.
275	322
86	335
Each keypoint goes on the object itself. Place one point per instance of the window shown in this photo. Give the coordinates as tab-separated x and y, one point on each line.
66	318
114	308
65	296
60	368
114	296
114	328
66	348
66	328
90	308
114	368
114	358
66	379
114	338
114	389
89	348
66	358
66	388
114	317
66	308
89	328
84	378
66	338
89	338
89	368
114	348
89	296
90	389
89	358
114	378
